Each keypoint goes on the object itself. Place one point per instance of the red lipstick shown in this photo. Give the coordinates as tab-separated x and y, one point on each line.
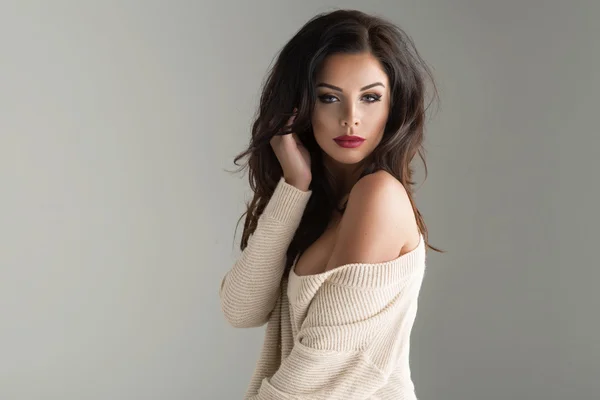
348	141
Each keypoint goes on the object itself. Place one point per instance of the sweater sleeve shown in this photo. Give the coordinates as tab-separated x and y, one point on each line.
249	290
347	347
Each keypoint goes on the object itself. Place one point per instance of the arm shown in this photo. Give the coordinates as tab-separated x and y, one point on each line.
250	288
357	326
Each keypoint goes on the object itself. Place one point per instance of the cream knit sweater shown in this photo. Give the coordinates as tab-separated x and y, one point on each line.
341	334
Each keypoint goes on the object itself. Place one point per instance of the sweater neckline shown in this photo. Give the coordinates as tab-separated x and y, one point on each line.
406	260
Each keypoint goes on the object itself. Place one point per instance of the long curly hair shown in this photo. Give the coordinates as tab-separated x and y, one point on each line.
291	83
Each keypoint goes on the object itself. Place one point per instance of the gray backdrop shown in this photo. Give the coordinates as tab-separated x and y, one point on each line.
118	118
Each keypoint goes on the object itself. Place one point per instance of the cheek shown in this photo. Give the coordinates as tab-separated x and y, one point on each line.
373	118
378	114
323	118
374	121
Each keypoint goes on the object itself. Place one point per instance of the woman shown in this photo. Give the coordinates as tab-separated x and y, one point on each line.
333	249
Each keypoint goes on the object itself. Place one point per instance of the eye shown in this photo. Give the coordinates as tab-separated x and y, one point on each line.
370	98
327	98
373	97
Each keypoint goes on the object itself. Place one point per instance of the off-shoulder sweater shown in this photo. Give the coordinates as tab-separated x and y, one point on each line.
341	334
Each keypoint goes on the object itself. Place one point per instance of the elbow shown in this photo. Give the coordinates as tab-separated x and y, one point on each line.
238	314
243	319
247	323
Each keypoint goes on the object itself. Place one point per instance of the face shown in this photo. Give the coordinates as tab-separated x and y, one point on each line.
353	99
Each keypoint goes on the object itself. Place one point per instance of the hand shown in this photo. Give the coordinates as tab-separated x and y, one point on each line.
293	157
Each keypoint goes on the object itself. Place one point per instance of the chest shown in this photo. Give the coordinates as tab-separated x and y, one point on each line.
314	259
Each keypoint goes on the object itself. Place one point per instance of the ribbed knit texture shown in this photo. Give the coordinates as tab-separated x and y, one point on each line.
341	334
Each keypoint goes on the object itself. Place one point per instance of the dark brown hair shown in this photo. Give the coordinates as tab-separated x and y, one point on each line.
291	83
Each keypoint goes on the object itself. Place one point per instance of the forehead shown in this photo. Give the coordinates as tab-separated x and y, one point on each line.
351	70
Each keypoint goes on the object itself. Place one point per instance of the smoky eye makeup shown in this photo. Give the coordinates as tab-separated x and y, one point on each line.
368	97
373	97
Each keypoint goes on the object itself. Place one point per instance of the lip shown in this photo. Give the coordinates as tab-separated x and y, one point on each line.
349	142
348	138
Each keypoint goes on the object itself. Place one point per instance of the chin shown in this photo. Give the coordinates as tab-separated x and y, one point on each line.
346	156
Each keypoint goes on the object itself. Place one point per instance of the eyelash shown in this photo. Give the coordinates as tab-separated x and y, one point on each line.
375	98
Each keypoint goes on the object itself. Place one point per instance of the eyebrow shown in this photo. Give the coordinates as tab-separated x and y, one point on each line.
323	84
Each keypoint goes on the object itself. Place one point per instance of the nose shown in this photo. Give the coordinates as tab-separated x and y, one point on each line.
350	118
355	122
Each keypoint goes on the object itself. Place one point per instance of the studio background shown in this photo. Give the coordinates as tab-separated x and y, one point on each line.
117	218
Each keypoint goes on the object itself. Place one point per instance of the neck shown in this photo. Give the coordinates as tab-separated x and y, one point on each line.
345	176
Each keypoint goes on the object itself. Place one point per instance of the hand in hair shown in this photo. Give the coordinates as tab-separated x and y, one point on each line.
293	157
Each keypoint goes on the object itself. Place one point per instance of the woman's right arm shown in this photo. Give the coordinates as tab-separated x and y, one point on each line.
249	290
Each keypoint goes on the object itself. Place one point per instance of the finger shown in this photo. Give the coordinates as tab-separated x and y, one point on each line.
291	120
284	131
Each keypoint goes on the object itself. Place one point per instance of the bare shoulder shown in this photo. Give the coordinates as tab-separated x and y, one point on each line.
387	196
380	183
396	201
377	224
